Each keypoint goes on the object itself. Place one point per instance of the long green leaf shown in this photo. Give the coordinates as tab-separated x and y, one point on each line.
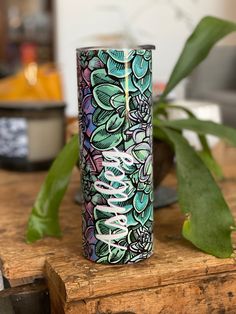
205	154
43	220
202	138
160	135
201	127
209	222
211	164
209	31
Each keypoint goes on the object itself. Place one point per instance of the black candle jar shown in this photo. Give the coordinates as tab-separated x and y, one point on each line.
31	134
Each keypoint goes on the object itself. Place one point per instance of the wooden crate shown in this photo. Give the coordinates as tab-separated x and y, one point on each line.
178	278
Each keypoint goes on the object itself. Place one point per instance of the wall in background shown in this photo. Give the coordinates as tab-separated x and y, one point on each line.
165	23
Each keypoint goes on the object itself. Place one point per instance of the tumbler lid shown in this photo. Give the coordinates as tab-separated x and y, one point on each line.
146	47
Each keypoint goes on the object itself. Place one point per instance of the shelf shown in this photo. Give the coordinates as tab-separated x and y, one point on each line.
178	278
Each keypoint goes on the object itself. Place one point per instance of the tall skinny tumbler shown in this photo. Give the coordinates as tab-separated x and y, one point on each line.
115	116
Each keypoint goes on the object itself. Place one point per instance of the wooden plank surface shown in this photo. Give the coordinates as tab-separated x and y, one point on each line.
22	263
178	278
174	261
213	294
176	271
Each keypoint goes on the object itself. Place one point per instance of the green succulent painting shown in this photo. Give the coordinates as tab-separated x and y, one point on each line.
120	119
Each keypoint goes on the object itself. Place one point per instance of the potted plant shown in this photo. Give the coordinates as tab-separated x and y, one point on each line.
200	199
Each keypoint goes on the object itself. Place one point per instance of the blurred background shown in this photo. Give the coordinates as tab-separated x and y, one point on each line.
26	27
38	39
47	30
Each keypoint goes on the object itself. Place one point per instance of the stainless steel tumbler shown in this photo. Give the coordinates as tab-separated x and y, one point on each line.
115	117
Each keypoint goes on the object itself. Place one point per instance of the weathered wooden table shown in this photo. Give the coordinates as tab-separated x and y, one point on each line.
178	278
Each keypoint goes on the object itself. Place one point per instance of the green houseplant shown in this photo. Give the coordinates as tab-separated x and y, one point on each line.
209	222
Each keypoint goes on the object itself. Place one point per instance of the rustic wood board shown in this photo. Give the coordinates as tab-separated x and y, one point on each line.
176	279
176	269
213	294
22	263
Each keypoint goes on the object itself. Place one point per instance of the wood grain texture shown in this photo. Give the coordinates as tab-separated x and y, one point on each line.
22	263
178	278
214	294
174	261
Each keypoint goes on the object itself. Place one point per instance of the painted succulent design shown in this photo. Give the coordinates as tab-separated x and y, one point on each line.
142	109
110	116
85	57
141	242
132	68
116	114
88	179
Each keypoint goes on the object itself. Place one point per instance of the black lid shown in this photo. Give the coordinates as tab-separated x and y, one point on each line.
31	105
